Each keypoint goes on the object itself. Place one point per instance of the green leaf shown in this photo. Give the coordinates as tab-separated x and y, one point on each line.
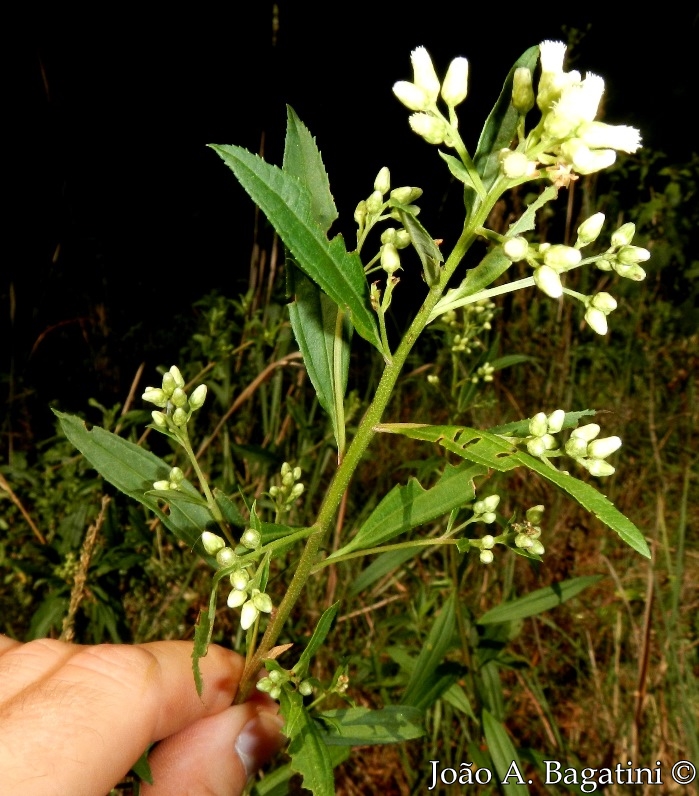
275	782
427	250
133	470
141	768
202	636
504	756
323	333
409	506
363	726
382	565
436	646
538	601
501	125
492	451
319	634
458	170
302	159
520	428
288	205
231	513
308	752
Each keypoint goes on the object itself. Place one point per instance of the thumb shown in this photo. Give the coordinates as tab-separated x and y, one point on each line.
215	755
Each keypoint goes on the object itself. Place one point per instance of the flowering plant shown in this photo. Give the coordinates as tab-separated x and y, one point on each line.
547	137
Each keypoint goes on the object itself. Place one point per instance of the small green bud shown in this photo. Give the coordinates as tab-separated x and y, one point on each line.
156	396
402	239
374	203
587	432
240	579
624	235
389	235
523	541
236	598
537	548
432	129
251	539
603	265
538	425
455	85
276	676
549	441
248	616
590	229
522	91
263	602
169	383
212	543
486	556
515	249
179	397
598	468
180	417
161	486
547	280
489	517
297	473
601	448
305	688
597	320
516	165
630	255
296	491
406	195
360	213
275	692
177	376
535	514
555	421
176	475
536	446
382	183
197	398
633	272
287	479
159	418
286	469
576	447
562	257
390	259
273	491
265	685
491	502
487	542
226	557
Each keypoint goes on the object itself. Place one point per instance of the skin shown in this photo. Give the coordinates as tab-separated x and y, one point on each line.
74	719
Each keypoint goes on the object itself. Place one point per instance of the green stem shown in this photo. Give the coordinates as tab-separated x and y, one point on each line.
358	446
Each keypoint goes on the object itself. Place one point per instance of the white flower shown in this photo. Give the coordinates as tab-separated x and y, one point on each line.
412	96
424	75
578	103
585	160
455	86
601	448
553	79
548	280
597	320
598	135
430	128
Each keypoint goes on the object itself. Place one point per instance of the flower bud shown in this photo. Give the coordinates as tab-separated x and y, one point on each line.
212	543
624	235
487	542
287	479
576	447
548	280
630	255
601	448
424	75
247	619
276	676
296	473
604	302
587	432
603	265
390	259
265	685
523	541
236	598
296	491
179	397
402	239
176	475
382	183
251	539
156	396
161	486
585	160
389	235
406	194
562	257
489	517
536	446
538	425
599	468
598	135
240	579
197	398
455	85
159	418
491	502
516	165
179	417
412	96
535	514
596	320
515	249
263	602
360	213
226	557
590	229
555	421
522	91
549	441
177	376
169	383
536	547
374	203
486	556
286	469
275	692
305	688
430	128
634	272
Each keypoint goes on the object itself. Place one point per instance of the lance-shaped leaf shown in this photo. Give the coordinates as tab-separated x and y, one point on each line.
319	634
406	507
363	726
288	205
308	752
504	756
492	451
427	250
133	470
538	601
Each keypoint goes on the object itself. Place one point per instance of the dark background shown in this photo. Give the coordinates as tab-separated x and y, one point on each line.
118	215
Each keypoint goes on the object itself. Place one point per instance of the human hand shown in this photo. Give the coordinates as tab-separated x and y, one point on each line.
74	719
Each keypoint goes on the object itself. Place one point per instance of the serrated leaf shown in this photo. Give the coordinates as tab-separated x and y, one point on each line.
323	333
133	470
319	634
309	754
406	507
288	205
503	755
436	646
202	636
538	601
492	451
303	160
457	169
231	513
363	726
275	782
520	428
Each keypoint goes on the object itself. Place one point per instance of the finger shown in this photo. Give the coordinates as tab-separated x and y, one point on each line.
216	755
84	724
22	665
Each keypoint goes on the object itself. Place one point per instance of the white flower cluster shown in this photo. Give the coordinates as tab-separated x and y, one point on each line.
290	490
172	397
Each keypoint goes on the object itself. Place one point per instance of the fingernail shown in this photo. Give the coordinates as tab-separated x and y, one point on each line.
258	740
